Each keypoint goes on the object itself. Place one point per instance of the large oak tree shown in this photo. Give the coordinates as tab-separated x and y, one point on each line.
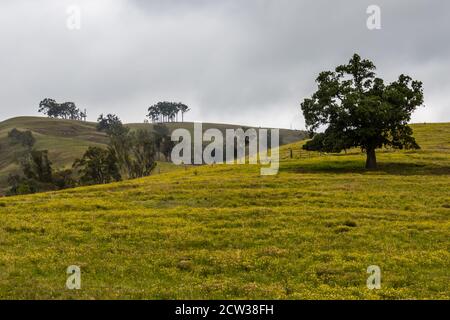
357	109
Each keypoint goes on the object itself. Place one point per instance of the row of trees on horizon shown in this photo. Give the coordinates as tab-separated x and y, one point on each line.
167	111
66	110
160	112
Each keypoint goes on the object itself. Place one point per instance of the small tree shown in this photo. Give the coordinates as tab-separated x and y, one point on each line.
66	110
163	141
97	166
24	138
37	174
50	108
143	151
120	145
183	109
109	123
63	179
359	110
19	185
37	166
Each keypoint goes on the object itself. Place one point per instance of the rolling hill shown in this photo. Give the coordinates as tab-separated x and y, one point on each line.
67	140
226	232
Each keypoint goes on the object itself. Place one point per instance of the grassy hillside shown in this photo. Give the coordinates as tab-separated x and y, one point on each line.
215	232
67	140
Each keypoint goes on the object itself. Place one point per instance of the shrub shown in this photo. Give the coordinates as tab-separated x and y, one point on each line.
24	138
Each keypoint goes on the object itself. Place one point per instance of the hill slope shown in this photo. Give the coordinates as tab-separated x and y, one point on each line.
67	140
226	232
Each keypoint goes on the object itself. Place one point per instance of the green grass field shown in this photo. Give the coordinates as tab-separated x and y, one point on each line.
225	232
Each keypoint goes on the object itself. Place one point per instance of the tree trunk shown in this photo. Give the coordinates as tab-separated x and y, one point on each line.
371	162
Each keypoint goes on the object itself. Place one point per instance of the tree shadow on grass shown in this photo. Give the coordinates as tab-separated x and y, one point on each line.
346	167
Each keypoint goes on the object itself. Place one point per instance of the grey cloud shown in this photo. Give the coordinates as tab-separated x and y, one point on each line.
249	62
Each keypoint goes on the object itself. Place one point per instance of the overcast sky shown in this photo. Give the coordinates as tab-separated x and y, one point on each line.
238	61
